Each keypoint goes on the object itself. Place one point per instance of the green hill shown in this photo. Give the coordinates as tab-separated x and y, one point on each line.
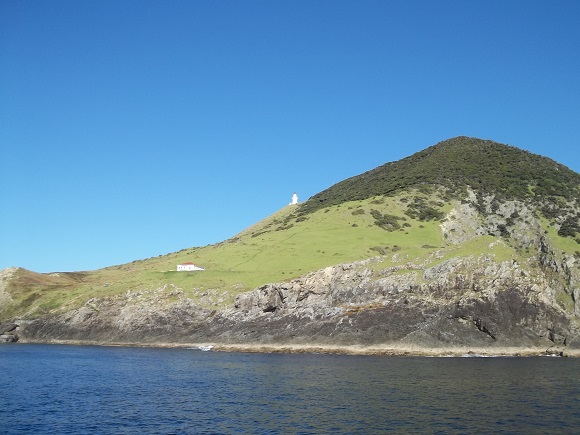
486	167
394	212
279	248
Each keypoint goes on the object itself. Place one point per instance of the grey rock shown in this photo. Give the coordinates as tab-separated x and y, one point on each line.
7	327
462	301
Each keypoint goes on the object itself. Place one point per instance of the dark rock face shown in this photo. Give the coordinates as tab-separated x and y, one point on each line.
8	332
459	302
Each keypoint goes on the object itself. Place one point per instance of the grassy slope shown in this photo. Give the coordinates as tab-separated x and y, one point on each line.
261	254
326	238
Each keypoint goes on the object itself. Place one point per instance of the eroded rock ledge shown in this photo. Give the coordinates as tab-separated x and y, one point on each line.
9	332
473	302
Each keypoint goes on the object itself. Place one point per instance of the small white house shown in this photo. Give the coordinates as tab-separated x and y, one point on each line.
188	267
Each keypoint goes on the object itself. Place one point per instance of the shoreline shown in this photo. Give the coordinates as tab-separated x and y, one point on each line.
376	350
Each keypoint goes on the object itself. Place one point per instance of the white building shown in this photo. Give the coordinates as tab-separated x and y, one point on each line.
188	267
294	199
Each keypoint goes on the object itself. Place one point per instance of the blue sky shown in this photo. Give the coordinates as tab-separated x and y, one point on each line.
130	129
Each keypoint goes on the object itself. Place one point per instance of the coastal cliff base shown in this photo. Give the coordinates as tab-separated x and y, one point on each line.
464	303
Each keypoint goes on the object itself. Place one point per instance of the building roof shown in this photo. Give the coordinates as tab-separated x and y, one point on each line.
189	262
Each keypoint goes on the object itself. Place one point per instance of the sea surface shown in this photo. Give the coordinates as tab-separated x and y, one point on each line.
113	390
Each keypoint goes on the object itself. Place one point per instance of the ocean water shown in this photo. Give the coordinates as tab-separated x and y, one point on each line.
114	390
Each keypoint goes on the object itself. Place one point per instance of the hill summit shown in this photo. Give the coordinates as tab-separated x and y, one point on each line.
485	166
468	244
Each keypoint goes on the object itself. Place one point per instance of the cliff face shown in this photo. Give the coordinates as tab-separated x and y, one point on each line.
472	301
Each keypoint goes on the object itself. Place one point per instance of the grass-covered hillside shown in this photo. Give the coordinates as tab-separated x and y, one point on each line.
394	211
279	248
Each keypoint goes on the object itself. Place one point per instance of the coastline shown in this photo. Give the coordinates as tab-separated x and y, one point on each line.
377	350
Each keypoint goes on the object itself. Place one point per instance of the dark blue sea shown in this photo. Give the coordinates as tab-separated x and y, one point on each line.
113	390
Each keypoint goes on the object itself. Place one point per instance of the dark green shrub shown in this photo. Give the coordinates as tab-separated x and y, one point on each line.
387	222
569	227
430	213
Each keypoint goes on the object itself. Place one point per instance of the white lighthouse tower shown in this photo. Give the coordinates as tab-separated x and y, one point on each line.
294	199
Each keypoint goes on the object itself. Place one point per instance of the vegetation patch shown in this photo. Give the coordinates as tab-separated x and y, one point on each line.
484	166
423	210
382	250
565	244
569	227
386	221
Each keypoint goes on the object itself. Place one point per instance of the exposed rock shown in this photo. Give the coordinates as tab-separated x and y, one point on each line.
7	327
462	301
507	218
5	298
8	332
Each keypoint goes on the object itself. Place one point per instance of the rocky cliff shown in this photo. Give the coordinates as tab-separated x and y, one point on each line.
474	301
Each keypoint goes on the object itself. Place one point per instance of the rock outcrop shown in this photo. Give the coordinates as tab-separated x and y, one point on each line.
471	301
8	332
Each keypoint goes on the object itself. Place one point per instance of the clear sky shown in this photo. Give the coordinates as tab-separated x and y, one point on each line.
130	129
